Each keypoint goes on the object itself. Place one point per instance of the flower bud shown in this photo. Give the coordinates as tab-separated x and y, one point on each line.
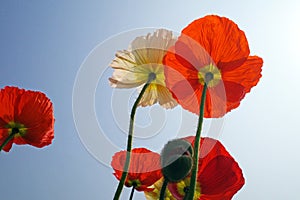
176	160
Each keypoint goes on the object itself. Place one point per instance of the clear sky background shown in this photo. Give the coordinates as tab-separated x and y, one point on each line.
44	43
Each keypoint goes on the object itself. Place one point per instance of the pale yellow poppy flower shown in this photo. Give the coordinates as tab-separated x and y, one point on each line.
143	59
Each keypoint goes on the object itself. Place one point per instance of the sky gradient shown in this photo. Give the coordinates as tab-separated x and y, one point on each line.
44	44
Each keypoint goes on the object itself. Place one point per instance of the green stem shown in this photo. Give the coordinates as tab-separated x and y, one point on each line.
132	192
130	136
193	180
163	189
186	196
9	137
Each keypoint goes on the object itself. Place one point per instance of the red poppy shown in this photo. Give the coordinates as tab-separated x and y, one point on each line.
29	114
144	169
211	50
219	176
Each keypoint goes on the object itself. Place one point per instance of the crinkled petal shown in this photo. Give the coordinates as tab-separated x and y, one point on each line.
247	75
158	93
31	109
221	176
124	79
35	111
124	74
191	54
165	98
145	57
144	167
124	60
152	48
221	38
215	41
9	98
150	96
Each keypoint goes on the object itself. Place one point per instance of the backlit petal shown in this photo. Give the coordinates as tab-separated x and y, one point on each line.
144	167
213	46
221	176
31	110
35	111
247	74
132	67
221	38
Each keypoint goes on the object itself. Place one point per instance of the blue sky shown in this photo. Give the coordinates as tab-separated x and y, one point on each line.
44	43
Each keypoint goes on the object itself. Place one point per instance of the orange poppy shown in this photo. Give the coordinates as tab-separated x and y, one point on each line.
28	115
144	169
213	51
219	175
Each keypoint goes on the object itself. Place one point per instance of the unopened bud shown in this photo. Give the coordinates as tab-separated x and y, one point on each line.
177	160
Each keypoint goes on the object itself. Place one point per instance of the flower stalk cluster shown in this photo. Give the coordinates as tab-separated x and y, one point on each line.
208	71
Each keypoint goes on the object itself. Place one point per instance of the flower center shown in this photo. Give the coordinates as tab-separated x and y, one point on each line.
186	189
134	183
183	188
16	128
150	72
151	76
210	75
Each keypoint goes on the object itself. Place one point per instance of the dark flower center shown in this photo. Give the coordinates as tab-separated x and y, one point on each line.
134	184
208	77
15	130
186	189
151	76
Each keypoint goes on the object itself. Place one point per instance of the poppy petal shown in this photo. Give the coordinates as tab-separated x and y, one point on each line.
221	38
191	54
211	44
247	74
165	98
144	168
221	175
152	47
9	98
30	111
144	57
210	148
35	111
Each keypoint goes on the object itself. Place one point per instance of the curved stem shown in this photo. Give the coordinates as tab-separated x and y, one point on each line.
193	181
129	140
9	137
163	189
132	192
